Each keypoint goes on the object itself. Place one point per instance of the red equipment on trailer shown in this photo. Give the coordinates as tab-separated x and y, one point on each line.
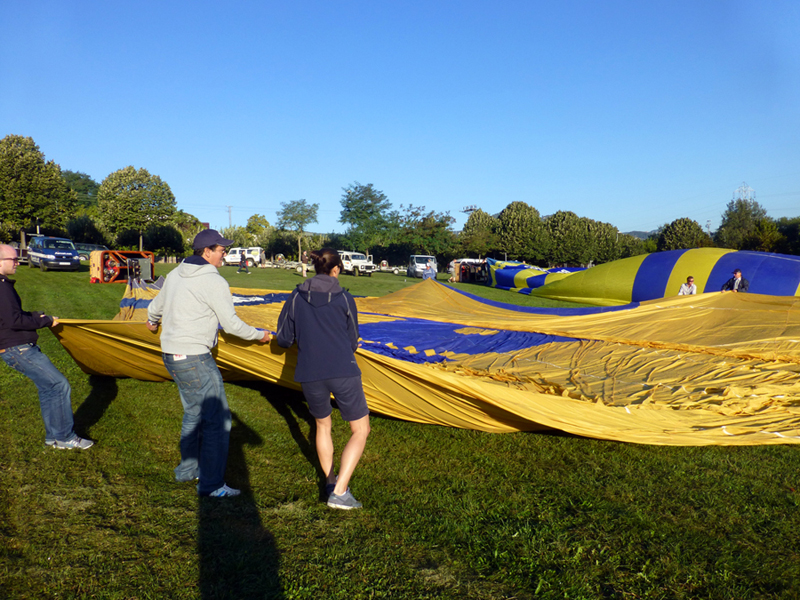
118	266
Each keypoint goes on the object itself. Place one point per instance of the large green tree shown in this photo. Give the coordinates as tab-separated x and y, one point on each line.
789	228
605	241
260	230
367	213
165	239
237	234
189	226
427	232
738	223
83	229
764	237
32	191
521	232
84	187
571	239
682	234
630	245
479	235
296	216
134	199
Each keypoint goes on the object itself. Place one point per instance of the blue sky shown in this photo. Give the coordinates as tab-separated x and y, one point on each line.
633	113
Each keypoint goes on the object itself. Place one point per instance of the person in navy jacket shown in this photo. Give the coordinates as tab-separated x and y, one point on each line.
737	283
322	318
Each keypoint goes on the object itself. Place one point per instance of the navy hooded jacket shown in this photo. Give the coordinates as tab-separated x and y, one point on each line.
322	317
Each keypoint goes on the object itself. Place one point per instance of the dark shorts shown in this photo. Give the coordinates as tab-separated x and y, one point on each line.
348	392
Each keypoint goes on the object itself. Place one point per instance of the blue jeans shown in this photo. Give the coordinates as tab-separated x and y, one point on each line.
54	389
206	427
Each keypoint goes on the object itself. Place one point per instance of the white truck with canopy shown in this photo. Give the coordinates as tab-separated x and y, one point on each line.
356	263
252	255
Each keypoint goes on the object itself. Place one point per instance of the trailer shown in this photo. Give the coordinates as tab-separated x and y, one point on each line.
119	266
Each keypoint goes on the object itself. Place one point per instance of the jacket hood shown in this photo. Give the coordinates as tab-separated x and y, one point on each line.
320	290
196	266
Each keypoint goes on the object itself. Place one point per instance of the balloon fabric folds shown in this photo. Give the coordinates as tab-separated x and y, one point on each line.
691	370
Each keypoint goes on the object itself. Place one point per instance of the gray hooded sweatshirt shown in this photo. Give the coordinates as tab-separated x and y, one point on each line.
193	303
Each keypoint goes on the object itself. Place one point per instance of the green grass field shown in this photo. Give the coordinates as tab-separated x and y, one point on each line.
447	513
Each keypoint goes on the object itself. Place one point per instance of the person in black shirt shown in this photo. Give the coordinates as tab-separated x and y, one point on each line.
19	350
737	283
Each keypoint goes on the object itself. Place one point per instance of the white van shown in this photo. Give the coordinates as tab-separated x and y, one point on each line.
51	253
417	264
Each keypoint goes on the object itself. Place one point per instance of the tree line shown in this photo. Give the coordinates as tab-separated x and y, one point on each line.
564	238
134	209
129	209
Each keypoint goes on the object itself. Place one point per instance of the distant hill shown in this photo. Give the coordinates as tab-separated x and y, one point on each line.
642	235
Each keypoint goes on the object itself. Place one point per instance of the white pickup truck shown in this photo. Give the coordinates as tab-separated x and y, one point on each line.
356	263
234	255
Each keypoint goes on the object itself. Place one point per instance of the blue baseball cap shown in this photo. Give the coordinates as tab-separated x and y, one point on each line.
208	238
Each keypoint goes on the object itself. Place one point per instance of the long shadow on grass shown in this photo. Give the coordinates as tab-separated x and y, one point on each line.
238	556
290	405
91	410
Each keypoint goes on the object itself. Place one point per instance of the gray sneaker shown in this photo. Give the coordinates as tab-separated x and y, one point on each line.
76	442
343	502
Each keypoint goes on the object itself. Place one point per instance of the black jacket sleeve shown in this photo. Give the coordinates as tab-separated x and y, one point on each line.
13	317
352	321
285	335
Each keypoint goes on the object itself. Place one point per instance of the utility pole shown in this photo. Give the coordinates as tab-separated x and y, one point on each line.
744	192
230	222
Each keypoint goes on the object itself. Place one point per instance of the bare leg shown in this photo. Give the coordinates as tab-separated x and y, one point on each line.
352	452
324	443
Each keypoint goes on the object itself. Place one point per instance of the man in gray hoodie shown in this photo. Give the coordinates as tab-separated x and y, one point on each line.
194	302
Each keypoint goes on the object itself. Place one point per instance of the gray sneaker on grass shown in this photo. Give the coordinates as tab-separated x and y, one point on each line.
343	502
73	444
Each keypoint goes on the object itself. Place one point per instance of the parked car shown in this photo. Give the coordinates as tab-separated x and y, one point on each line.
54	253
234	255
417	264
85	250
356	263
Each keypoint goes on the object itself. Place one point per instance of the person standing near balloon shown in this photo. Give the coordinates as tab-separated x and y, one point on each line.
18	349
322	318
194	302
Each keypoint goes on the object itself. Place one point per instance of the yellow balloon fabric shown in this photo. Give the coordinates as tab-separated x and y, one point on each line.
717	368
